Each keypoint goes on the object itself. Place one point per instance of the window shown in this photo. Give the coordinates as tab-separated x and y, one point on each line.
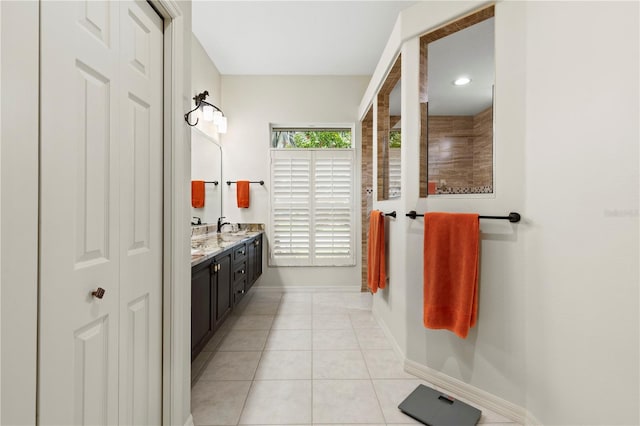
312	204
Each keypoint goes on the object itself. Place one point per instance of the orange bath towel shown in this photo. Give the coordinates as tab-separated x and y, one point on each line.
451	243
197	193
242	193
376	270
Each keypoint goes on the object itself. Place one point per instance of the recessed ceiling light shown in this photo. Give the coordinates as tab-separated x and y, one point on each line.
461	81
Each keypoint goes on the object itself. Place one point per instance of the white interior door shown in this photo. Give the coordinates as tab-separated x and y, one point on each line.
101	216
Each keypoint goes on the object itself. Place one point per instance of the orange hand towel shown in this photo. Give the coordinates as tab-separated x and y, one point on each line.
197	193
242	194
451	242
376	269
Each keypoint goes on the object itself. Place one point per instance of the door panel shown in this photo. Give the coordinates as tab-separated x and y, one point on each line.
91	373
79	202
101	216
141	156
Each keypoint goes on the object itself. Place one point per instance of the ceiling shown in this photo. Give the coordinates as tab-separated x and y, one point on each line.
295	37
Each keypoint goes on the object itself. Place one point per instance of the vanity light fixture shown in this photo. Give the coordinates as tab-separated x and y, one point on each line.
462	81
210	112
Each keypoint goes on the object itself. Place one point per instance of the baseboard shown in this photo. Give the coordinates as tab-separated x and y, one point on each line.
307	289
457	387
189	421
464	390
531	420
394	345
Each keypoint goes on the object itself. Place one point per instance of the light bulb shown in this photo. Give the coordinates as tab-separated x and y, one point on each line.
217	116
207	113
222	124
462	81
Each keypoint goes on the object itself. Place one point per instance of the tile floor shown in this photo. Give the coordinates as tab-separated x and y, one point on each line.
301	359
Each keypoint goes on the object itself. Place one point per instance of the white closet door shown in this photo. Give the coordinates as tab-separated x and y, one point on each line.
140	138
93	139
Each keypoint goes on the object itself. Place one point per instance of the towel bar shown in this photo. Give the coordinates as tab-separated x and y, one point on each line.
229	182
392	214
215	182
513	217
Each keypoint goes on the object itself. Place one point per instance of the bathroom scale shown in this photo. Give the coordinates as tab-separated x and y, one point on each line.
433	408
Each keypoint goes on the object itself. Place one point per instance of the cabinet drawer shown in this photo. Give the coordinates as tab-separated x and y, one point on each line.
238	291
240	272
239	253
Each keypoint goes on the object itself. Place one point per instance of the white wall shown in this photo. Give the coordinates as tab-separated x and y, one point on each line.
251	103
205	150
558	317
19	238
582	198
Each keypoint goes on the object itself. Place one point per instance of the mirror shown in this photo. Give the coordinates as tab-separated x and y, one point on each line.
206	164
457	79
389	123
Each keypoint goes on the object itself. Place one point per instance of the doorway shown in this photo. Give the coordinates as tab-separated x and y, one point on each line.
101	204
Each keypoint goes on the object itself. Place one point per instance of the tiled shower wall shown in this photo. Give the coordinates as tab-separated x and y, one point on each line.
461	150
367	187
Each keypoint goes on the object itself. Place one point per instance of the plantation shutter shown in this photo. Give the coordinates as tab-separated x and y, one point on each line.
333	208
312	208
290	208
395	172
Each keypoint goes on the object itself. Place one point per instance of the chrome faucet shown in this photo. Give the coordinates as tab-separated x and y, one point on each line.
220	224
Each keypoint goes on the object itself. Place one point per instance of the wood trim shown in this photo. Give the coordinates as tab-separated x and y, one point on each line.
366	132
383	126
459	24
176	297
436	34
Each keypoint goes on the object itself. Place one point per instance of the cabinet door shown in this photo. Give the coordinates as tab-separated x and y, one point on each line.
222	288
254	260
257	270
202	314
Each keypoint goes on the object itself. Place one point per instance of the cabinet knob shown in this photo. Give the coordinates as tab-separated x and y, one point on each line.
98	293
242	272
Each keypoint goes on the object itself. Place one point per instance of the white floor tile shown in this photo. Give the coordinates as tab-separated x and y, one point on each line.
278	402
284	365
291	322
289	340
384	364
372	338
300	308
260	308
199	363
331	322
345	401
334	340
339	365
363	320
297	297
267	296
244	340
232	366
218	403
253	322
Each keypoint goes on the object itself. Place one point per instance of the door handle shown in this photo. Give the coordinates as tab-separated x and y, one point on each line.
98	293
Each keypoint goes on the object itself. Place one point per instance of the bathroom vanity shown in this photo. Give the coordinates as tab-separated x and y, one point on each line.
224	266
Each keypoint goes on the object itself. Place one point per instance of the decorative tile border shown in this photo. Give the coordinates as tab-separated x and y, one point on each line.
488	189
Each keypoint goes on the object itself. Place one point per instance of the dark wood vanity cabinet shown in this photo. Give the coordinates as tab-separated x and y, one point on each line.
211	299
202	312
254	256
240	269
223	295
219	284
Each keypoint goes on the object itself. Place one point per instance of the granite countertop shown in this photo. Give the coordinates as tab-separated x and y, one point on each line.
206	242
